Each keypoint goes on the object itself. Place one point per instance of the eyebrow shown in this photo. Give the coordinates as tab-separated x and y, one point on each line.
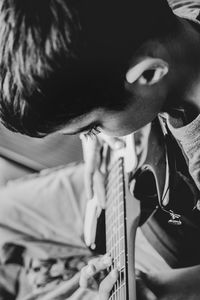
85	128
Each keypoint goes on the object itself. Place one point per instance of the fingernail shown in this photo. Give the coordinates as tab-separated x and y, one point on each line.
107	260
90	270
118	145
114	274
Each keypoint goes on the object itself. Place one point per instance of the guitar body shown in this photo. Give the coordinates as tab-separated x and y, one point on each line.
154	169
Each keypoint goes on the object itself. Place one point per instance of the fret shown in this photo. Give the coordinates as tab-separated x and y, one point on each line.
115	215
121	230
116	170
122	243
111	183
118	195
118	231
121	206
123	292
119	293
121	216
117	192
117	185
118	198
122	259
112	180
117	235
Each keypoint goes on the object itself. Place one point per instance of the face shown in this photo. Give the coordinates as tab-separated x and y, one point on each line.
145	102
143	108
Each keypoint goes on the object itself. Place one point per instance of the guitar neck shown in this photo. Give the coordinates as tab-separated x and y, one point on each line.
116	243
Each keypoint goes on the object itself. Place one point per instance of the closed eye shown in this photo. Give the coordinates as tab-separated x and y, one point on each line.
92	132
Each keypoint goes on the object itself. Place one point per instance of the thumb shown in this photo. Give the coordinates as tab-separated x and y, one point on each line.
91	153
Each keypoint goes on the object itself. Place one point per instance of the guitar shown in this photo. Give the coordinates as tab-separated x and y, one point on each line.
119	224
123	208
128	182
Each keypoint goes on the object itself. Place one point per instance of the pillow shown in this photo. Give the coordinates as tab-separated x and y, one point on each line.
44	214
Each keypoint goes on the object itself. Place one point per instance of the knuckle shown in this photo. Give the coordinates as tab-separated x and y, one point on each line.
94	262
84	271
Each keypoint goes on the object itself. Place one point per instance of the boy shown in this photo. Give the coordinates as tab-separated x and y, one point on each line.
91	66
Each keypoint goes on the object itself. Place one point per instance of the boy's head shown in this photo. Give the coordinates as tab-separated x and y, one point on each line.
61	60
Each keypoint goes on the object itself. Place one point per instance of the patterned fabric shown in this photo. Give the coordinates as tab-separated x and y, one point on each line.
189	9
42	272
53	278
42	217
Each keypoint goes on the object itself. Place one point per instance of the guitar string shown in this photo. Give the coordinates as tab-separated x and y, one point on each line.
111	198
109	215
118	209
118	224
115	229
120	199
121	221
118	212
114	191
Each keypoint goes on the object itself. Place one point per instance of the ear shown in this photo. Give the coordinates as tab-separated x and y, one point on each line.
148	71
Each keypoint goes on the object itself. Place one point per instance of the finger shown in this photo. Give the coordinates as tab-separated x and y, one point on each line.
89	184
87	273
94	266
114	142
107	285
91	152
101	263
99	184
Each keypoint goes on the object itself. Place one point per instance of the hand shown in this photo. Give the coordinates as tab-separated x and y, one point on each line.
93	276
176	284
92	155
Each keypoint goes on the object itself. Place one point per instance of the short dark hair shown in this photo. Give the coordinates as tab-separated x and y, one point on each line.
60	59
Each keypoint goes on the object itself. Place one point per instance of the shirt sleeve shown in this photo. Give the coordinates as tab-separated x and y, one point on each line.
189	9
188	137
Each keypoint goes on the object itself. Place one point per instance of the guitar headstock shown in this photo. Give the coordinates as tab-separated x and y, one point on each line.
128	153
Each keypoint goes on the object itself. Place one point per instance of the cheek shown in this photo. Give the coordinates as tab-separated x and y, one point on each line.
148	100
117	127
123	123
145	104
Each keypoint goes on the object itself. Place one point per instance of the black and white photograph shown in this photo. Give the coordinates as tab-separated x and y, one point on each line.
99	149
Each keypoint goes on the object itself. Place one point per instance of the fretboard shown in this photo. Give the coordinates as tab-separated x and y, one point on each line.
116	226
